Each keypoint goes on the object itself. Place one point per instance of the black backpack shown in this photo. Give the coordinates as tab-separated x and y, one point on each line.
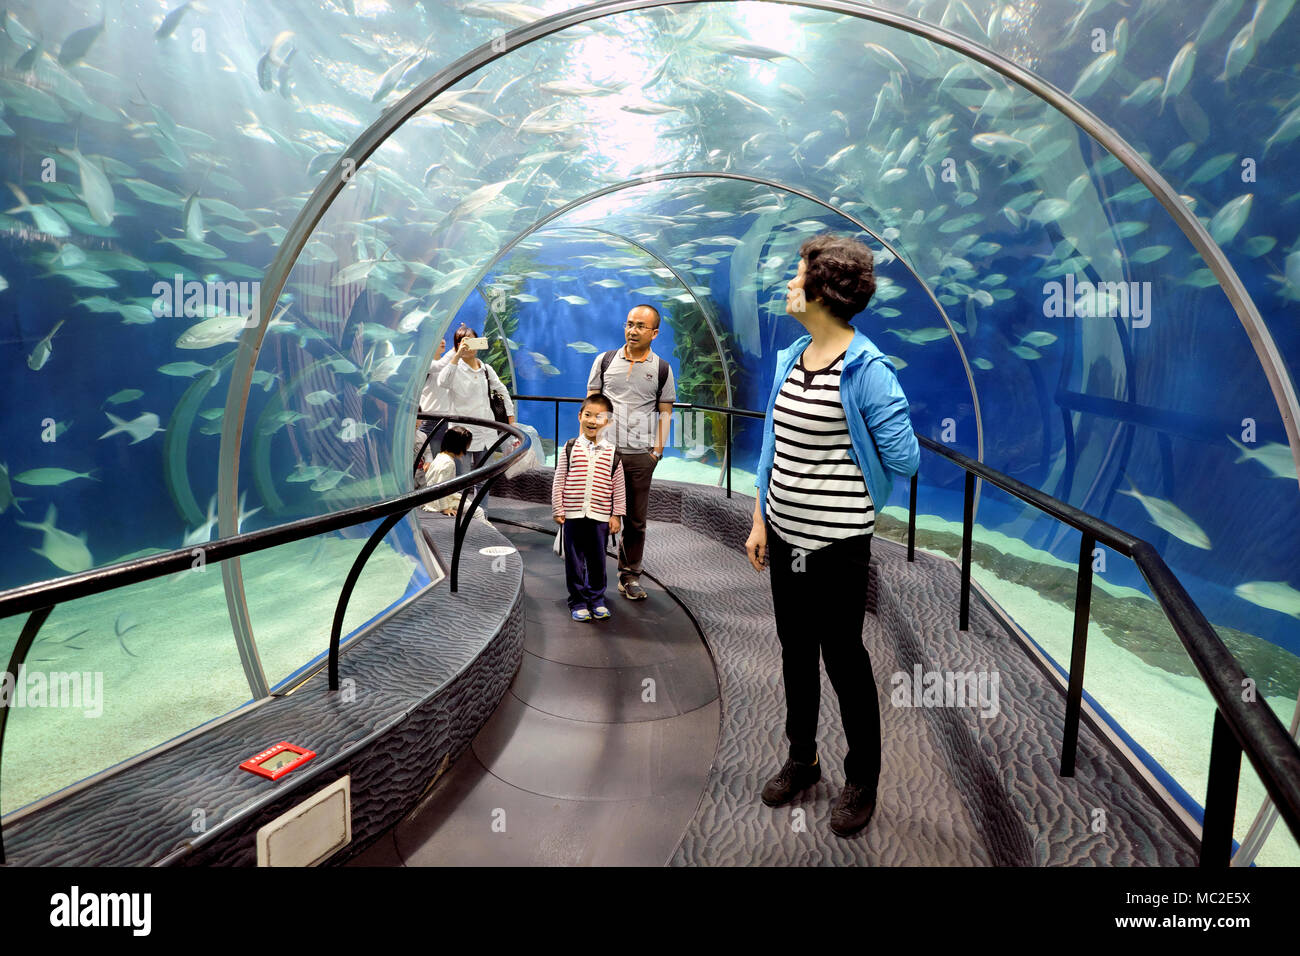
568	458
663	374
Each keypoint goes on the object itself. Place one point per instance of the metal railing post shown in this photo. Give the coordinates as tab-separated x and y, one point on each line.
911	520
967	526
1078	651
556	463
1220	795
28	635
341	608
728	454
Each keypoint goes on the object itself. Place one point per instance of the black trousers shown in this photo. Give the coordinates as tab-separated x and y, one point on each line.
638	469
820	600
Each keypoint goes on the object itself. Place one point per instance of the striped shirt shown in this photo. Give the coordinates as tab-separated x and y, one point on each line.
584	487
816	494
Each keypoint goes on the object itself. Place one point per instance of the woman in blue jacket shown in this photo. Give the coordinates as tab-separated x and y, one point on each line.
837	428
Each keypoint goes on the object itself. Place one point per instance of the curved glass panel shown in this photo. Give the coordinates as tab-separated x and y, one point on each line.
1083	345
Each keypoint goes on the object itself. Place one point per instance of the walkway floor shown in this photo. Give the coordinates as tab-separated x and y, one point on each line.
598	754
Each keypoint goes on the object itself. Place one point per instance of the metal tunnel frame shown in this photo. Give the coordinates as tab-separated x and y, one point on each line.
338	176
555	214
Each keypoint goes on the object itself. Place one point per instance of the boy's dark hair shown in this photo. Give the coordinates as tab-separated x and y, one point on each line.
455	441
841	272
597	398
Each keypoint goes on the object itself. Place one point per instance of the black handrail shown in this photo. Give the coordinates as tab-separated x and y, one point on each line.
39	599
1239	725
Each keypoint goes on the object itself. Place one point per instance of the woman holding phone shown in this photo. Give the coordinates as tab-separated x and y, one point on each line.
468	382
837	427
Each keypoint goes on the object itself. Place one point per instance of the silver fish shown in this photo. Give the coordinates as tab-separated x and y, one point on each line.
65	551
44	348
1169	517
138	428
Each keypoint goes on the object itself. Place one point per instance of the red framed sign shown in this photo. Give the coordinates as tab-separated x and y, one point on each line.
276	761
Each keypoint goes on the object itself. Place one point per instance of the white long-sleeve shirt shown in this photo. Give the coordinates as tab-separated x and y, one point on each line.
467	390
444	469
433	397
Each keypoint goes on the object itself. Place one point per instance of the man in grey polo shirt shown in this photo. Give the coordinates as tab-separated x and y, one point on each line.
642	415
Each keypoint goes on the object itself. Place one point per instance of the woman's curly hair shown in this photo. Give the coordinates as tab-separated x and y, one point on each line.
840	272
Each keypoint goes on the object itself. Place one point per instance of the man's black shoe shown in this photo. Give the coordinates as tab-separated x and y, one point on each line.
791	778
853	810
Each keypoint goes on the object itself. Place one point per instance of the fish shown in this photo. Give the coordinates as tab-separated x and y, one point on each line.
1049	210
183	369
1214	166
1257	246
203	533
1287	130
138	428
584	347
171	21
1169	517
1274	457
573	299
63	550
1227	222
211	332
7	497
1240	52
897	362
998	144
982	363
1095	74
330	479
78	43
1148	254
921	336
51	476
1268	16
1025	352
1180	71
1216	21
1039	338
305	473
320	397
892	176
1273	595
44	218
44	349
124	396
1144	92
192	217
96	191
886	59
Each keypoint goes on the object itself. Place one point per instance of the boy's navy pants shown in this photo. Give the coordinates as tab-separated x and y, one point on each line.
584	561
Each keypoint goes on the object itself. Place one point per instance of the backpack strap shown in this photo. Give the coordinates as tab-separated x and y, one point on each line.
568	453
613	468
663	380
604	364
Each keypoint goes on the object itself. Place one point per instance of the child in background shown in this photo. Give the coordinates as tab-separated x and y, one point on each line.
589	499
455	442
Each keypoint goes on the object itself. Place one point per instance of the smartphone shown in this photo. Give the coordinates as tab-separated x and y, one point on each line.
478	344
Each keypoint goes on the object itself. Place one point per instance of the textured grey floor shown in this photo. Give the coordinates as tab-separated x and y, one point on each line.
956	788
577	766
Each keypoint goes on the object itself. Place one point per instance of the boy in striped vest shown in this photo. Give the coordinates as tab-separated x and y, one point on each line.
589	499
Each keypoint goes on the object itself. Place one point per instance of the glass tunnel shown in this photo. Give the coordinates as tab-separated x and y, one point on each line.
236	240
